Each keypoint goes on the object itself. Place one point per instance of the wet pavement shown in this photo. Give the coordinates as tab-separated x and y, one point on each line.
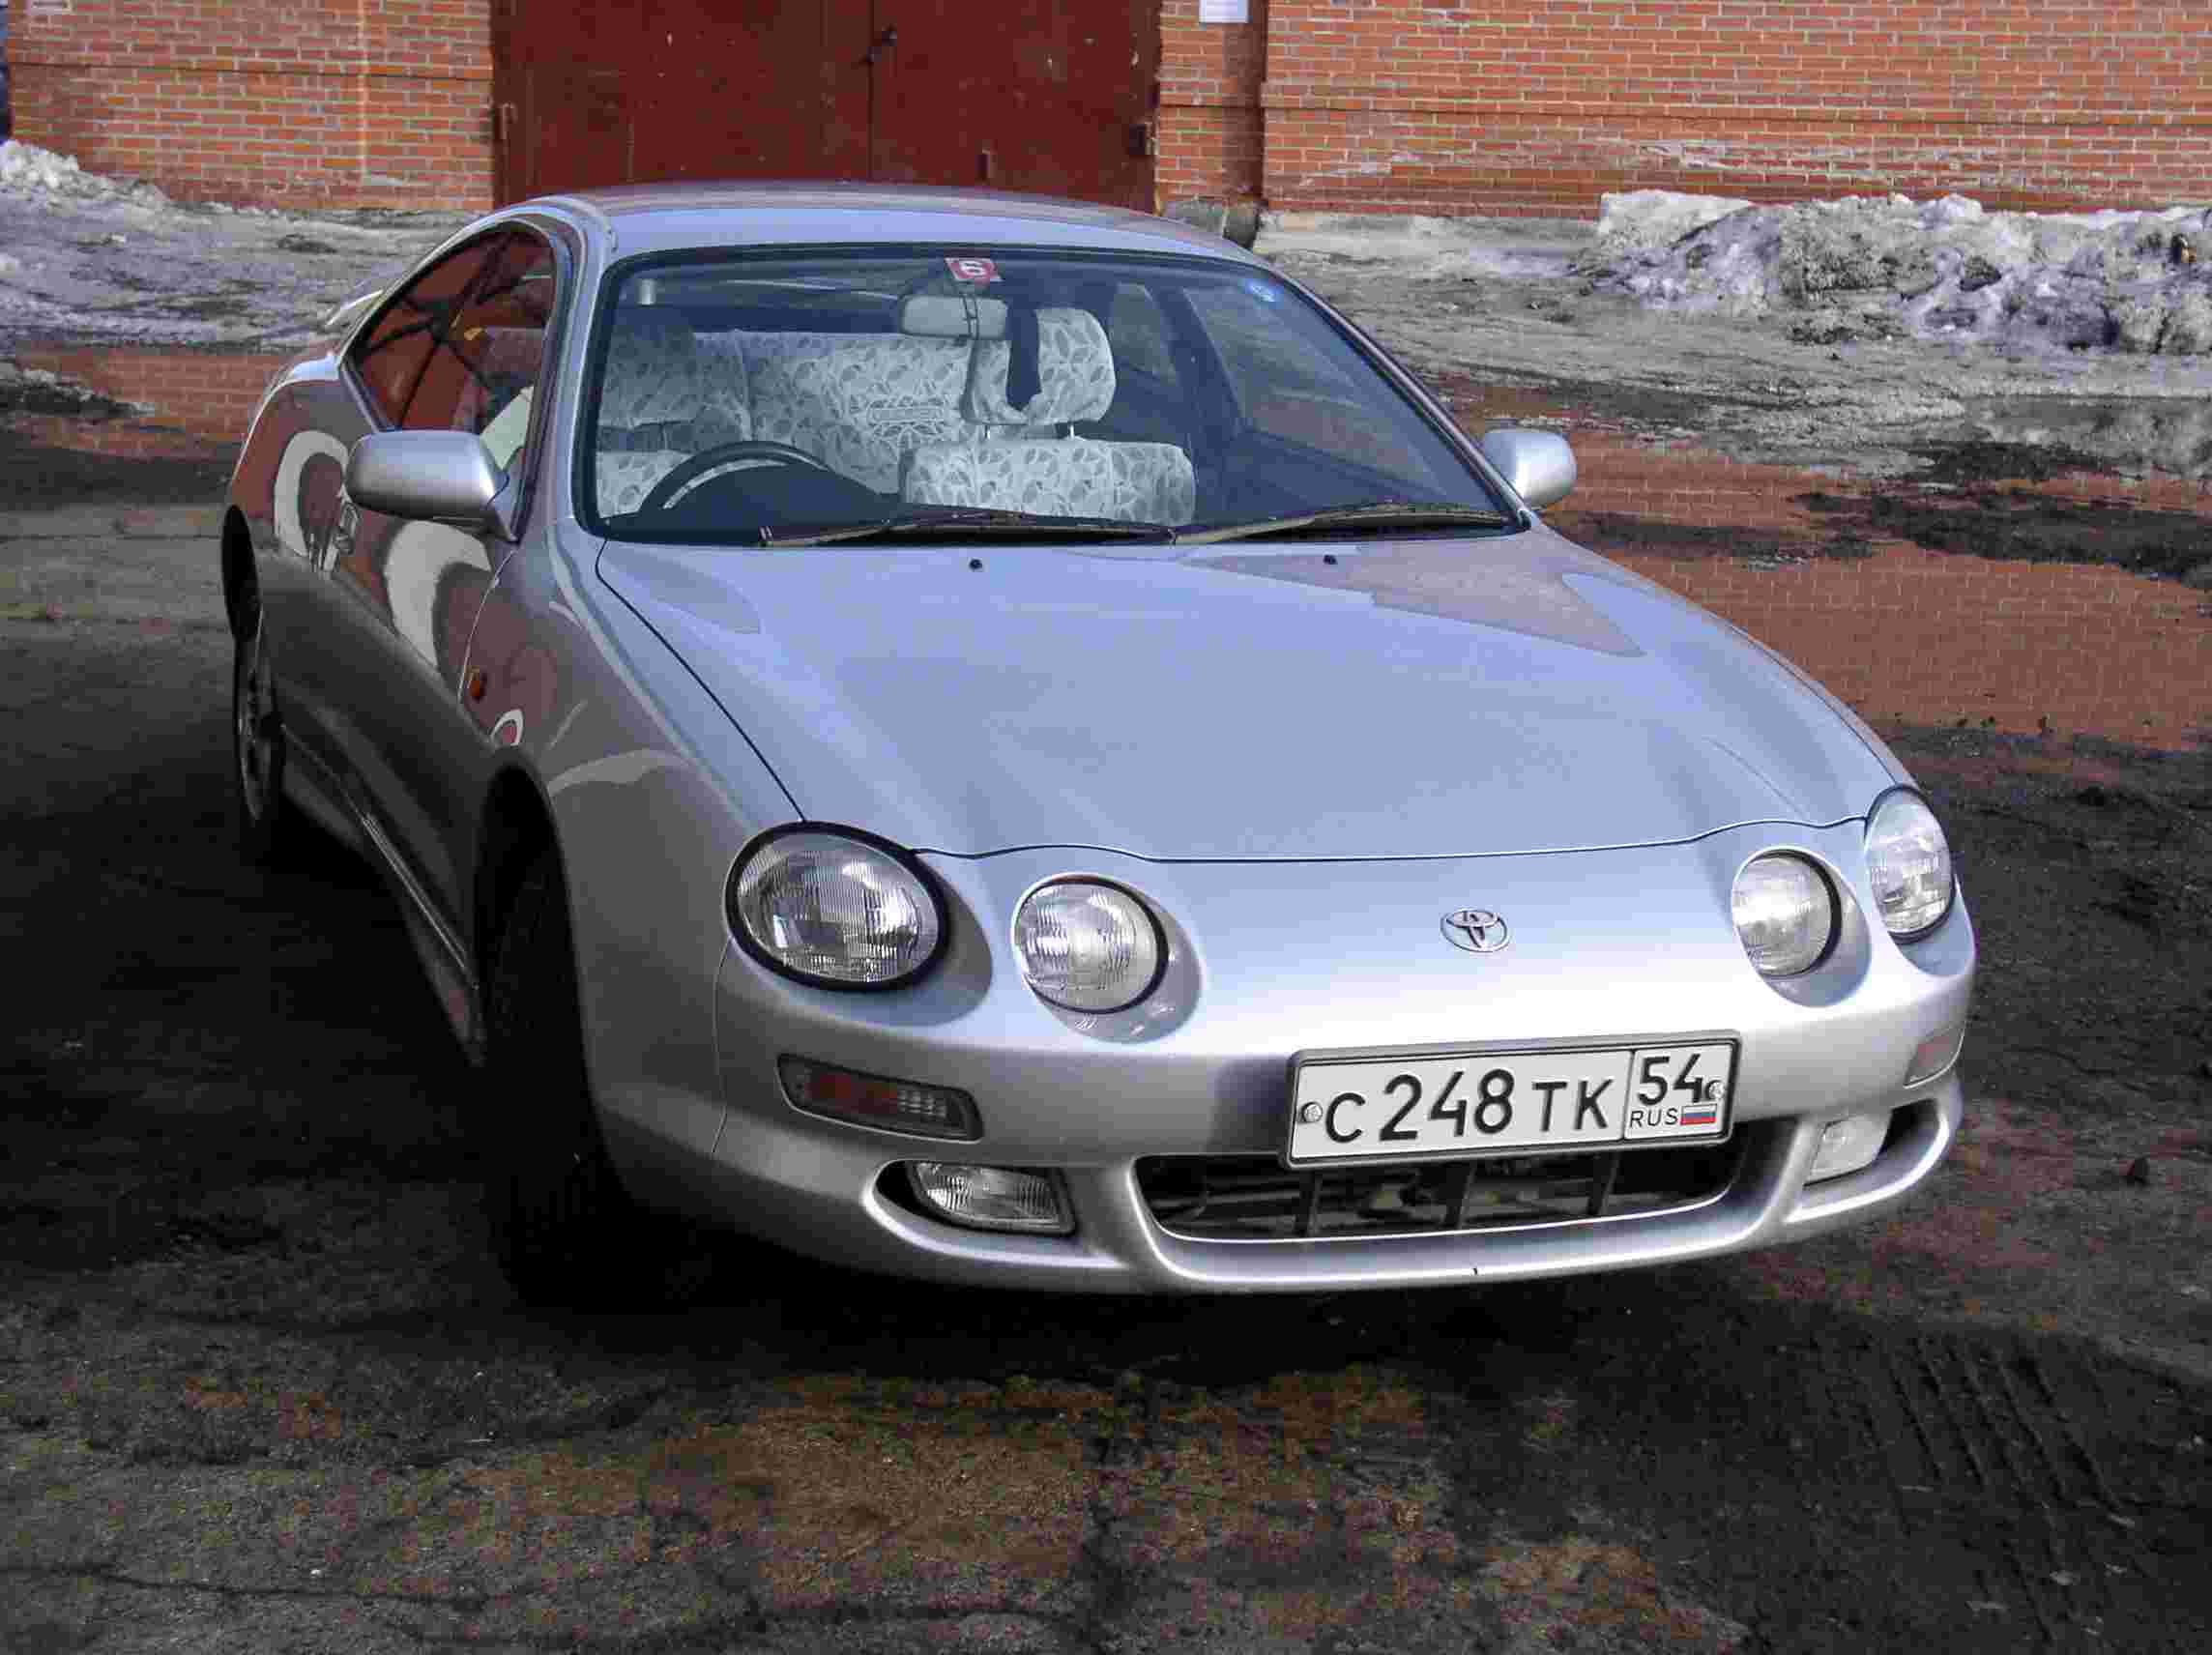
2011	585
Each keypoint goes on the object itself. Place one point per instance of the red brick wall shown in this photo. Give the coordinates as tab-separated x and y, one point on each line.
1209	104
289	102
1532	107
1374	106
196	403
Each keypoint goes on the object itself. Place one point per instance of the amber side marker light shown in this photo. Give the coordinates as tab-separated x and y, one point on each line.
1935	1054
878	1101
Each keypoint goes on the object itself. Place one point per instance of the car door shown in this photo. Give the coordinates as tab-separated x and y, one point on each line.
460	348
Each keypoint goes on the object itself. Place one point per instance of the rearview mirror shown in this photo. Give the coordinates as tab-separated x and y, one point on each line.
1539	465
447	477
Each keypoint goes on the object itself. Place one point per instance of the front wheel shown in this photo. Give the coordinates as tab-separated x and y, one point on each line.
562	1227
256	742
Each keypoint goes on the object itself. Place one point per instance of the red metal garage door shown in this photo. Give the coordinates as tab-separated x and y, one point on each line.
1051	95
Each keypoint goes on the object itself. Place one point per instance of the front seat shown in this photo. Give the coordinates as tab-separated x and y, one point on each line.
649	403
1014	463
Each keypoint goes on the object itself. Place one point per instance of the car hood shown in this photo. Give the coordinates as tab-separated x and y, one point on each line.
1413	698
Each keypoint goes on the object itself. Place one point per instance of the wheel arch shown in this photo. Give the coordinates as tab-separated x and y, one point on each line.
238	572
515	826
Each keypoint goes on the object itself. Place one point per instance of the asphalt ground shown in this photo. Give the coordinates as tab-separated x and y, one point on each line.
260	1388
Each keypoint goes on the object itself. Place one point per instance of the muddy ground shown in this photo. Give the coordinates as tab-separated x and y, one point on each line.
260	1388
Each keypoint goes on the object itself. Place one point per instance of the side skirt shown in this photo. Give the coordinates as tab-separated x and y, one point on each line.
453	976
310	786
445	959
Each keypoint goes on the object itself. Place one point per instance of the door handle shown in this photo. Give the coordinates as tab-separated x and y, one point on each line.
886	41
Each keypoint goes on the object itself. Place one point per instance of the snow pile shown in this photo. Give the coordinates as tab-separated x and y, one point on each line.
1871	267
28	169
1652	220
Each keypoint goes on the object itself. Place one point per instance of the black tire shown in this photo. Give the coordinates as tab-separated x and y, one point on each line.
264	817
564	1230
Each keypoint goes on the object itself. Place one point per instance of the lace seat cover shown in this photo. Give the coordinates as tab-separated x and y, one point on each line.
725	393
1075	376
1065	477
647	405
1075	477
859	401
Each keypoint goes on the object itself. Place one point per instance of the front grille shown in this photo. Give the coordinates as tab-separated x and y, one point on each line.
1256	1198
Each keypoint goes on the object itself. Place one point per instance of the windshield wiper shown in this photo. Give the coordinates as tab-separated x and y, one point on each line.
959	524
1367	515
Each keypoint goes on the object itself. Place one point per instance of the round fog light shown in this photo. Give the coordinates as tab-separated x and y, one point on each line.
991	1197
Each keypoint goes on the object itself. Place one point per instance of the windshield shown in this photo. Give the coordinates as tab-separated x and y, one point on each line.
766	398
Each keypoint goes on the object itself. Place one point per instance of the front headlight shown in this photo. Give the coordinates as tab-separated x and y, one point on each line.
1909	862
1784	913
834	909
1088	947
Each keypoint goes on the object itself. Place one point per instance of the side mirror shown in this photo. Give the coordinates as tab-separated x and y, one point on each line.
447	477
1539	465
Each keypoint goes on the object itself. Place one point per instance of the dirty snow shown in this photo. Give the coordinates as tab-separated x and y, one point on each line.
1582	310
1492	304
1888	265
28	167
96	260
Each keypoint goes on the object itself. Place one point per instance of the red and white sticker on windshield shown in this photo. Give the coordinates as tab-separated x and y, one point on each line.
971	269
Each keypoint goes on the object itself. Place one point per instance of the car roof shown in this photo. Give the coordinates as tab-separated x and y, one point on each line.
658	217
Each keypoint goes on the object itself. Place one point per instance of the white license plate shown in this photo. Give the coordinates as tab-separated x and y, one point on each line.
1494	1103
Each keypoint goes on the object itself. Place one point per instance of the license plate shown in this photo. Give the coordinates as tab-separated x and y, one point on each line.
1489	1103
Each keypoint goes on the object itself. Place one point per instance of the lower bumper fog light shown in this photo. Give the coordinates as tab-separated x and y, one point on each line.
1849	1143
992	1198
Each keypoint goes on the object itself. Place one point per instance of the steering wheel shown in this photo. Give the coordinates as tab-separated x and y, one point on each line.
664	492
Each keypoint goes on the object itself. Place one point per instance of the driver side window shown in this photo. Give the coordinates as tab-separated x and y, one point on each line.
462	347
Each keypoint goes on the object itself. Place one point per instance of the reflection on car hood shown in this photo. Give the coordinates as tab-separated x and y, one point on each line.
1436	697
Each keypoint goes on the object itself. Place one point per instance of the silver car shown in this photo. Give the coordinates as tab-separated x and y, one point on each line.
1006	742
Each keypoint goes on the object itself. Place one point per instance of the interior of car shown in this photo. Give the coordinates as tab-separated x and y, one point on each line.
740	394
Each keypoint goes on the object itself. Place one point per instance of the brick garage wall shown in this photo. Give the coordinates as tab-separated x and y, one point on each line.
1432	106
1209	104
289	102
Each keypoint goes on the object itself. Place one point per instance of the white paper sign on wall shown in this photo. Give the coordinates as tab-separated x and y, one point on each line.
1225	10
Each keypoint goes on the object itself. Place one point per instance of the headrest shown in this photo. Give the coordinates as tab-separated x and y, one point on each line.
1075	374
952	316
653	372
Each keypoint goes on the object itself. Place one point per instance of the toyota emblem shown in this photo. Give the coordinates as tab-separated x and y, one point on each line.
1477	930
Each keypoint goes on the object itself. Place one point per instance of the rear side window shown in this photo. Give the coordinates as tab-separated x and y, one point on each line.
461	349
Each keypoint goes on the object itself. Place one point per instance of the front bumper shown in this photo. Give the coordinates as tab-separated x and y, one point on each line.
1205	1076
784	1187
